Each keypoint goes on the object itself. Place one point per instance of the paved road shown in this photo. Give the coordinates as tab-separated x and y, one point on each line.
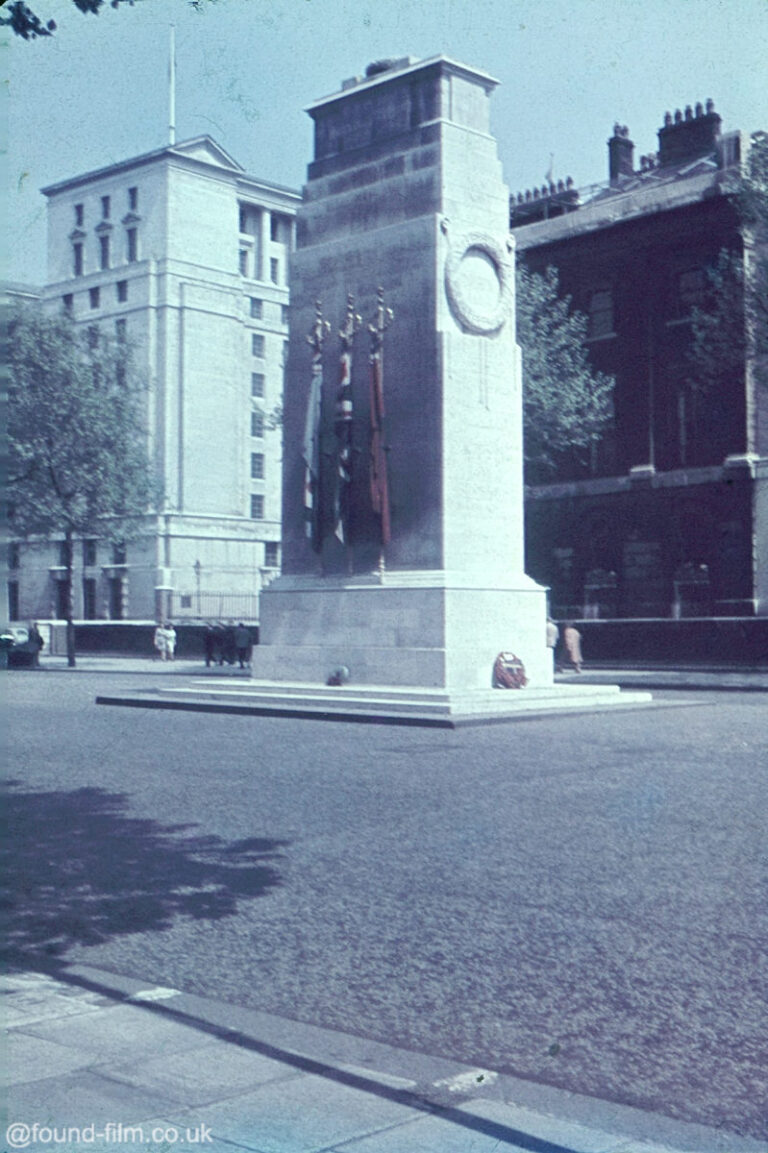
575	900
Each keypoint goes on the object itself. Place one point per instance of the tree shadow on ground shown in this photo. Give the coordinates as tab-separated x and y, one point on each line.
77	870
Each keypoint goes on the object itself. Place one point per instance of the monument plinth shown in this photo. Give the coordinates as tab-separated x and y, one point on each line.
403	478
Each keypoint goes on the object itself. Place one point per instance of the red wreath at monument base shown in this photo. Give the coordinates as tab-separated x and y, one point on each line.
509	672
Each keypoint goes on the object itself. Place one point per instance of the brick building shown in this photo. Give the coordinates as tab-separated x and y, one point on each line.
671	519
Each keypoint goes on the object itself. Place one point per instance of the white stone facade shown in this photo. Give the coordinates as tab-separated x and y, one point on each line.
405	192
187	257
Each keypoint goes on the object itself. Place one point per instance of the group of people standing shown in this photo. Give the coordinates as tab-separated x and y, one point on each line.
570	651
227	644
165	641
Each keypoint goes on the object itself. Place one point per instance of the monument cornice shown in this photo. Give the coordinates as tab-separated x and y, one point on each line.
367	83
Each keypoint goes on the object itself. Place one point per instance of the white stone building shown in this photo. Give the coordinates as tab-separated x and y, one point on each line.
186	256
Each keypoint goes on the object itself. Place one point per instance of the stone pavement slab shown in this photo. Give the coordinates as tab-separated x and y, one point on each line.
207	1074
120	1032
192	1074
302	1115
84	1098
33	1058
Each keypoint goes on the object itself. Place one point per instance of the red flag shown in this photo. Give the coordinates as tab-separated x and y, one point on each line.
379	485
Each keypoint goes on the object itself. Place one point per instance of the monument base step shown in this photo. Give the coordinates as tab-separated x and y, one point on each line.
392	704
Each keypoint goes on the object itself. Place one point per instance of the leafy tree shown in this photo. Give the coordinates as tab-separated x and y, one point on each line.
24	22
731	327
77	444
566	405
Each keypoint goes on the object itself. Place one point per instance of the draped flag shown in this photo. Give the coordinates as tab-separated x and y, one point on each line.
311	445
378	477
343	427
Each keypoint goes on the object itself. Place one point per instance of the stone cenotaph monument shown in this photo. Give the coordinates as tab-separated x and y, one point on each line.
403	463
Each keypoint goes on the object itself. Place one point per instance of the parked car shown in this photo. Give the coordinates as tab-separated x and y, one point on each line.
17	651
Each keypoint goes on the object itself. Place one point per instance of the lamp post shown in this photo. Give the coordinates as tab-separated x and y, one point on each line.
198	569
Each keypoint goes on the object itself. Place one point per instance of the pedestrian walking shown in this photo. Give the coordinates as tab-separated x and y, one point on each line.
229	649
243	644
572	644
209	644
170	641
553	636
218	643
159	641
35	639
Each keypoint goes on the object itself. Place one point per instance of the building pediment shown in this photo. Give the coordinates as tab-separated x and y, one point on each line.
130	219
76	235
103	227
205	149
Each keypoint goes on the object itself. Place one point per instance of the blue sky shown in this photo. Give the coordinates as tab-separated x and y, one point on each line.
97	92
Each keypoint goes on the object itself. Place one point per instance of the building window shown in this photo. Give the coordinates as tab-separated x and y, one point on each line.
77	253
257	384
89	553
119	553
257	308
257	466
79	216
14	554
285	313
133	199
243	218
243	258
121	330
274	270
94	296
271	554
93	336
257	424
68	301
691	286
257	344
122	291
104	251
89	599
63	554
257	506
116	599
274	227
105	208
132	239
600	319
13	600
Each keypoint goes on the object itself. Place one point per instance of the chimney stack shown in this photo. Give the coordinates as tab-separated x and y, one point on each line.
620	154
689	135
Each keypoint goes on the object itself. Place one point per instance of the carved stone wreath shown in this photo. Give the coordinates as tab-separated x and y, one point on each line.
461	304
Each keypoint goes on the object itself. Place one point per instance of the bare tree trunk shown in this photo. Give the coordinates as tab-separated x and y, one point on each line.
69	562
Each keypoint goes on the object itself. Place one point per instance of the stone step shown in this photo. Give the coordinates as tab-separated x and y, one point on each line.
396	702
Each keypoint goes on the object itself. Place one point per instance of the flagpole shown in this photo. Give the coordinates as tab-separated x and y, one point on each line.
172	87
